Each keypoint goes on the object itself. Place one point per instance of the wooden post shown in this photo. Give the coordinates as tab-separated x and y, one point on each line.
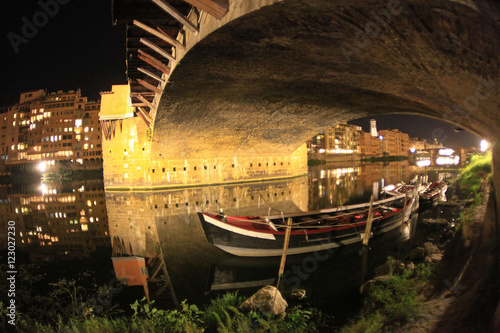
147	86
145	101
153	61
216	8
158	49
364	263
404	207
151	75
285	249
159	34
368	229
175	14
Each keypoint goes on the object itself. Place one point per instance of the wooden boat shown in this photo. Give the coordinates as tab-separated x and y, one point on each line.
429	194
433	193
263	236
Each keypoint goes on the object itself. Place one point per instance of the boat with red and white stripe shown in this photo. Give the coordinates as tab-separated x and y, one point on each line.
264	236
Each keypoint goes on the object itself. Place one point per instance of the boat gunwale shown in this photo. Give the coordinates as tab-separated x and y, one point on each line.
315	230
327	210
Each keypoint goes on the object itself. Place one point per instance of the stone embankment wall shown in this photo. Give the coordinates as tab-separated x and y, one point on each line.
129	164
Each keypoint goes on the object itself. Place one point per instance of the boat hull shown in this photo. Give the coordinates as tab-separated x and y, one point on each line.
434	195
243	243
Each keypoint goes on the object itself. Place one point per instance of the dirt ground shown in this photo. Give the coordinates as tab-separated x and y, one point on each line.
464	292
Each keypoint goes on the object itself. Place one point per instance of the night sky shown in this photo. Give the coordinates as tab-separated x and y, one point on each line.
422	127
76	48
80	48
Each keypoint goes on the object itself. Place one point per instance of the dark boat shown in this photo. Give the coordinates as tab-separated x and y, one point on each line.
429	194
432	194
263	236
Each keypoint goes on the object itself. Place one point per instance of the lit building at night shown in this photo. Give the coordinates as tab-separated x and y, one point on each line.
340	139
369	145
51	130
395	142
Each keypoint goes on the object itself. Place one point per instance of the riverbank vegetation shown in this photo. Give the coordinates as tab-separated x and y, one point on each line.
385	159
391	301
477	171
220	315
313	162
470	184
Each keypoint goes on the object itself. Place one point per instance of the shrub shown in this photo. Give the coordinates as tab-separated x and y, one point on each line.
394	299
472	176
187	319
369	324
216	312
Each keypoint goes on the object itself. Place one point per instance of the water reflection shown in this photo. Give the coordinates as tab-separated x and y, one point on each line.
168	219
142	222
63	220
70	219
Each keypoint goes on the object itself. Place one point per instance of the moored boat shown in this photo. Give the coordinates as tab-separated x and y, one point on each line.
264	236
432	194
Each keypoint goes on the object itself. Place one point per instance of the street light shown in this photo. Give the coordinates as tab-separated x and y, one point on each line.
41	166
484	145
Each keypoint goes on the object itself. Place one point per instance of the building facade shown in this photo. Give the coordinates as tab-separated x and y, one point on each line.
51	129
370	146
340	139
395	142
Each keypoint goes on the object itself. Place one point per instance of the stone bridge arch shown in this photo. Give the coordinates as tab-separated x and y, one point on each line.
247	89
266	82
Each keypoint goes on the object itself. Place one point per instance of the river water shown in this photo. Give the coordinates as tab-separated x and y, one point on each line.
70	220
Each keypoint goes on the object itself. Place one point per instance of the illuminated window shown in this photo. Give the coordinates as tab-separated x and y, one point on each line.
78	123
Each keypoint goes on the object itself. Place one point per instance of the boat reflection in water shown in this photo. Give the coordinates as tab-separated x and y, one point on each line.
142	222
329	277
264	236
72	220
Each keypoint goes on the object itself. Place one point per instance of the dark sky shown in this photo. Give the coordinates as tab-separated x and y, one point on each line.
78	47
422	127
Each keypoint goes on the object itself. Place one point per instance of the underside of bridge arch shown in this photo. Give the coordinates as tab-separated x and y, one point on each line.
265	82
252	88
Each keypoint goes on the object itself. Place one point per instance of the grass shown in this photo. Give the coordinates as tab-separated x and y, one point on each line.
392	302
221	315
477	170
